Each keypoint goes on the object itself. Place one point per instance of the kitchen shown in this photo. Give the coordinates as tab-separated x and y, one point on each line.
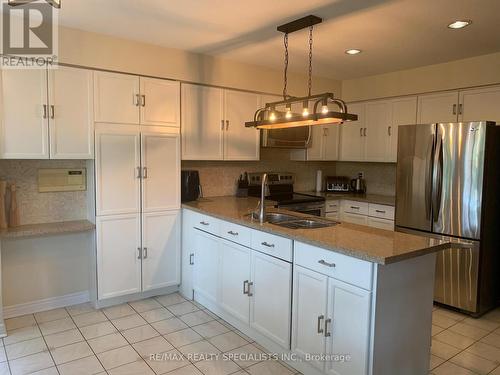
103	266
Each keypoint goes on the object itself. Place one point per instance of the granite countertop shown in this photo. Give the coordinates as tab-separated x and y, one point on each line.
362	242
46	229
370	198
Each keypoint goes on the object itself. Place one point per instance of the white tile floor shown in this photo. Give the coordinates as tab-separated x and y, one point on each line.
119	340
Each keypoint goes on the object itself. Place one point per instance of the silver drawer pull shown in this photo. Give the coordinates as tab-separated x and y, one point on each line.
232	233
380	211
320	328
267	244
355	208
325	263
204	223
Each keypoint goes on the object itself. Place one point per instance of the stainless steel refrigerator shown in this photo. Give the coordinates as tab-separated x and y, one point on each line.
448	186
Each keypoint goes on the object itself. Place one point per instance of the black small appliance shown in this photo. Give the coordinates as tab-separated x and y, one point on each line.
190	185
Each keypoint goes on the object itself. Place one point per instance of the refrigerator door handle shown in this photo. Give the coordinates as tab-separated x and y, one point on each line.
429	178
437	179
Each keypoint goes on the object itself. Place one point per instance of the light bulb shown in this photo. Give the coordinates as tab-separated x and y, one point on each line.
272	116
305	112
288	114
324	109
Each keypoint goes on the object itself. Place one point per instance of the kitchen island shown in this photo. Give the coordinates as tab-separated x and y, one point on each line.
334	300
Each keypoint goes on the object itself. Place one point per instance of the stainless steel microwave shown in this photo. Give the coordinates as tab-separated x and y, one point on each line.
299	137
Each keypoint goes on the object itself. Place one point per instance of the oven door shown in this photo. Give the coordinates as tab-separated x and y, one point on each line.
315	209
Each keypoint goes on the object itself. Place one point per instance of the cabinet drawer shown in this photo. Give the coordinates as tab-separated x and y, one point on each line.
354	207
276	246
332	206
206	223
236	233
380	211
350	270
375	222
354	218
334	215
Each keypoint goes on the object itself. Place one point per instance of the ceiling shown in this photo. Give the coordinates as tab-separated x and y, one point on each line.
393	34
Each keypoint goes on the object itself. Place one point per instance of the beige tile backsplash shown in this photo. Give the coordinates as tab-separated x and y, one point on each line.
380	177
38	207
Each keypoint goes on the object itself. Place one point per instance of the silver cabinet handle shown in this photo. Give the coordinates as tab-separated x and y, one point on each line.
191	259
227	124
232	233
250	294
145	173
245	287
45	111
267	244
460	108
137	100
355	207
360	132
454	109
139	256
143	100
222	124
320	328
389	131
325	263
364	132
327	334
139	175
204	223
380	211
145	253
52	111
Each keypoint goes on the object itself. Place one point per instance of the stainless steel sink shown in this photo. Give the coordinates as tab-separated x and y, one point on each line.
294	222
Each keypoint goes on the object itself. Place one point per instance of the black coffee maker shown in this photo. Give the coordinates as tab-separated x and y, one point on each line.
190	185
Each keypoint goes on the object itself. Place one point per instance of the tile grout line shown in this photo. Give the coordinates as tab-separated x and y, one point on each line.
46	345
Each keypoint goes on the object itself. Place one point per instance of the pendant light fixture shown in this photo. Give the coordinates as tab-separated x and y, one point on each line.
54	3
315	109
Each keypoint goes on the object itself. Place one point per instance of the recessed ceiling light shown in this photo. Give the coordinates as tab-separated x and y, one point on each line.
460	24
353	51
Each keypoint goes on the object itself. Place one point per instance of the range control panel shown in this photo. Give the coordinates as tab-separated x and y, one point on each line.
273	178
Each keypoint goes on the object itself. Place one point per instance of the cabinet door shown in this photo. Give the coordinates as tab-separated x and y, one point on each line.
160	171
24	126
202	122
404	112
376	222
206	265
118	255
377	121
161	242
240	143
480	104
234	280
331	142
442	107
349	312
315	152
71	113
188	245
116	98
352	141
118	186
160	102
309	313
354	218
270	306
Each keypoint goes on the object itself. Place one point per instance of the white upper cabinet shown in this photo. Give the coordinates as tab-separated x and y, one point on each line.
118	170
213	124
480	104
24	121
71	113
161	249
160	102
160	171
377	121
404	112
117	98
353	141
240	143
202	122
441	107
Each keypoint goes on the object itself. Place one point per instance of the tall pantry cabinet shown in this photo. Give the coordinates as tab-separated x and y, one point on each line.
137	185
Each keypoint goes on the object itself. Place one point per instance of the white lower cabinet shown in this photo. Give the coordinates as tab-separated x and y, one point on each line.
270	291
118	248
330	318
354	218
235	279
206	265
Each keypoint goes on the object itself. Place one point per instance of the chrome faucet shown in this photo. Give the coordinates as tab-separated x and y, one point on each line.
262	208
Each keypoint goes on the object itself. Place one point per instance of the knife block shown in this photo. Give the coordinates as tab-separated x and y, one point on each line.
3	213
14	218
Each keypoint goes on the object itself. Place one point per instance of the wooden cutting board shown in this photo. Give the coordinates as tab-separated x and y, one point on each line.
14	217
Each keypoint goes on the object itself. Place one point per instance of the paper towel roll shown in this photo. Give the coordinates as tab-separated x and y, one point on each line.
319	180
